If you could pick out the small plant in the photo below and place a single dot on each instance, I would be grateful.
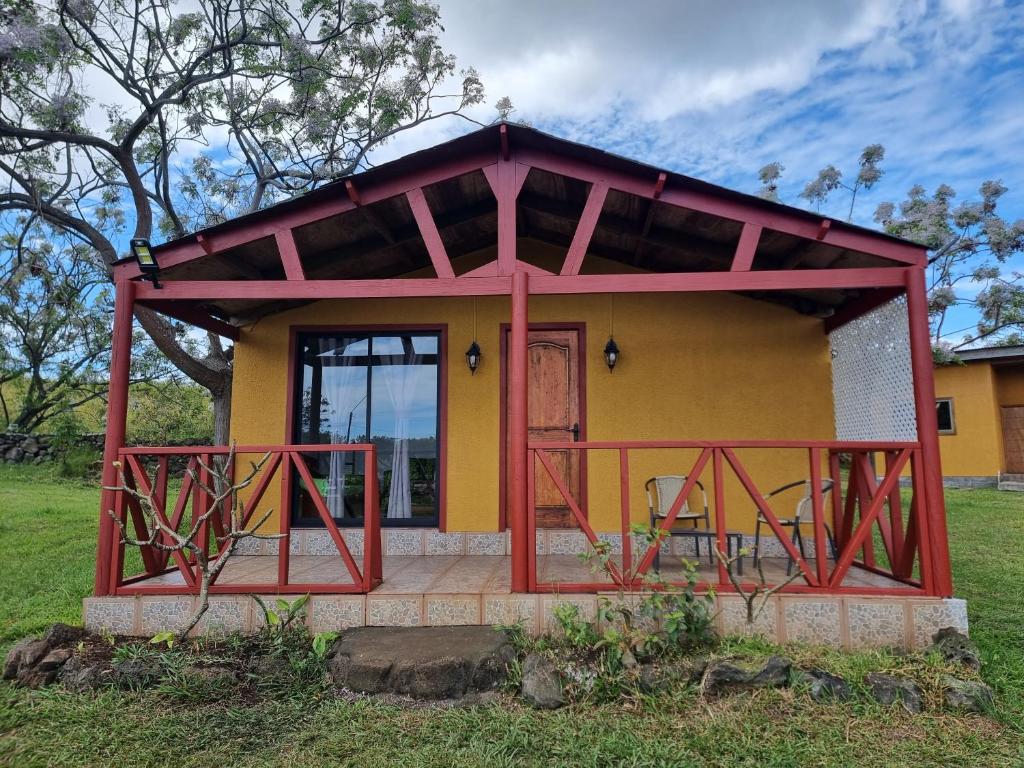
(278, 619)
(163, 638)
(577, 631)
(686, 617)
(755, 598)
(322, 641)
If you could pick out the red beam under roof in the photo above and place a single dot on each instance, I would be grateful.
(679, 282)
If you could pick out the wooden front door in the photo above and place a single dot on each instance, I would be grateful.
(1013, 438)
(554, 415)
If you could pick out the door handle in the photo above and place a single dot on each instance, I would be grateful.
(575, 432)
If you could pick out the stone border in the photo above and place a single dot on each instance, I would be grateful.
(431, 541)
(849, 622)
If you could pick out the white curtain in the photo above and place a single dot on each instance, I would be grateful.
(401, 382)
(343, 395)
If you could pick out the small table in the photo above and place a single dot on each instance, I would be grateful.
(733, 542)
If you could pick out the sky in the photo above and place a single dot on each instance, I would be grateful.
(716, 90)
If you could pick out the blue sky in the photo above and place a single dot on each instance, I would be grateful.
(717, 90)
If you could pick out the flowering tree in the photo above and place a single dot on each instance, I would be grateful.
(120, 119)
(970, 247)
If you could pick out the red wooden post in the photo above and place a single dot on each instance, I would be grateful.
(517, 363)
(721, 538)
(928, 430)
(285, 523)
(818, 515)
(117, 417)
(627, 541)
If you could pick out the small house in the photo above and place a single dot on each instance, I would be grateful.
(472, 365)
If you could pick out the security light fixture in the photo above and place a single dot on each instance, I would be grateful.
(146, 259)
(611, 353)
(473, 355)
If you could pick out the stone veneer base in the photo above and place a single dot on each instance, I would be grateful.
(841, 622)
(431, 541)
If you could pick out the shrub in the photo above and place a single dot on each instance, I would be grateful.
(81, 463)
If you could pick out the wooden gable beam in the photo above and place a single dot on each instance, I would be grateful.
(585, 228)
(428, 231)
(746, 248)
(289, 255)
(506, 178)
(193, 316)
(789, 222)
(293, 215)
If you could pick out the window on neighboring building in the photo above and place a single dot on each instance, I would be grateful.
(379, 387)
(944, 412)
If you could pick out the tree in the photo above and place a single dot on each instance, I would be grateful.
(102, 105)
(225, 514)
(969, 246)
(55, 325)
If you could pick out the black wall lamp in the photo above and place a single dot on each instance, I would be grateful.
(473, 355)
(611, 353)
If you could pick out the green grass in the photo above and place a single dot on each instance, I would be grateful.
(47, 543)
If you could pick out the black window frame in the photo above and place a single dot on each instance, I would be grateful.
(301, 338)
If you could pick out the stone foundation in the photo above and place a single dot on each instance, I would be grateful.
(431, 541)
(840, 622)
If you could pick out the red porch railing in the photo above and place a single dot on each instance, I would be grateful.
(861, 508)
(193, 498)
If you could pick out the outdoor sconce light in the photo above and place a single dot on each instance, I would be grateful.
(145, 259)
(473, 355)
(611, 353)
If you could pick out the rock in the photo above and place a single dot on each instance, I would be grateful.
(656, 677)
(22, 660)
(15, 656)
(135, 674)
(14, 455)
(78, 675)
(422, 662)
(54, 660)
(366, 674)
(823, 685)
(722, 676)
(889, 690)
(33, 677)
(542, 685)
(63, 635)
(966, 694)
(954, 646)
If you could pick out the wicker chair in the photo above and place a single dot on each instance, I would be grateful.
(801, 513)
(662, 491)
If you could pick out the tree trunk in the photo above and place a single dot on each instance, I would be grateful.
(222, 413)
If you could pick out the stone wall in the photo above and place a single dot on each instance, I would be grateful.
(16, 448)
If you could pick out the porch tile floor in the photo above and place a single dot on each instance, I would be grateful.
(473, 574)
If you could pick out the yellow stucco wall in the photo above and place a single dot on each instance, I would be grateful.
(1010, 384)
(976, 448)
(693, 366)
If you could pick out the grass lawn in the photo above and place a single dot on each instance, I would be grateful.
(47, 541)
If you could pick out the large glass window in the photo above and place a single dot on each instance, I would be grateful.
(378, 387)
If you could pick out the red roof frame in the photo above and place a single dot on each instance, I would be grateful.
(506, 153)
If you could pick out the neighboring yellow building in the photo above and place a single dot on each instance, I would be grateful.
(980, 406)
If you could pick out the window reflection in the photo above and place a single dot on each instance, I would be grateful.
(381, 388)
